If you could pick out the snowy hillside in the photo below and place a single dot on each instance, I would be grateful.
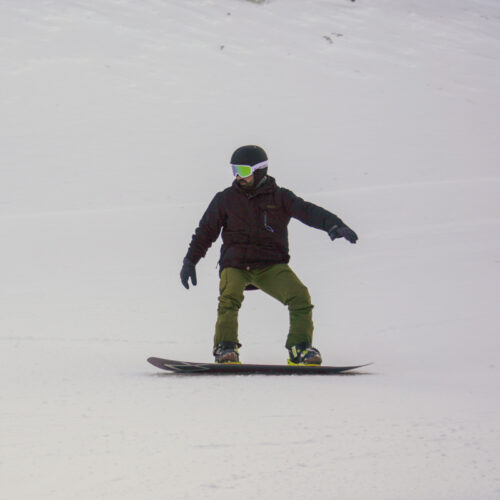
(118, 119)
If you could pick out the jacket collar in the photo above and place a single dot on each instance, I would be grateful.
(266, 185)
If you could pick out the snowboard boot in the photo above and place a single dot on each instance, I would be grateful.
(227, 352)
(304, 354)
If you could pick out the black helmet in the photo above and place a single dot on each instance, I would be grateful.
(248, 155)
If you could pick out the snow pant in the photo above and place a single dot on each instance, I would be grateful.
(278, 281)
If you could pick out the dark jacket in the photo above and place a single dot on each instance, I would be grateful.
(254, 225)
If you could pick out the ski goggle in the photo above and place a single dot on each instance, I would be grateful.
(247, 170)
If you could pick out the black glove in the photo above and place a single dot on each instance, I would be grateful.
(188, 271)
(343, 232)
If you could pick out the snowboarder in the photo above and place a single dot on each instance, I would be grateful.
(253, 214)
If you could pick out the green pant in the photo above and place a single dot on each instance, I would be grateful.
(280, 282)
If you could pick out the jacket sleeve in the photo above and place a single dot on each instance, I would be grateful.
(207, 232)
(309, 213)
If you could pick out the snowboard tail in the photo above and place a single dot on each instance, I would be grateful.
(233, 368)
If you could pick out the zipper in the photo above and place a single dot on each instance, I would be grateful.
(266, 225)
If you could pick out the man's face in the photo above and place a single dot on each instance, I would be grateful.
(245, 182)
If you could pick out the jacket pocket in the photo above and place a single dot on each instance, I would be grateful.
(273, 218)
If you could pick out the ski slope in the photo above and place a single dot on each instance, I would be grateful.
(118, 119)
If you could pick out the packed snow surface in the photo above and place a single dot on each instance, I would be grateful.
(118, 119)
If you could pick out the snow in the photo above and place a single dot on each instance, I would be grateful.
(118, 119)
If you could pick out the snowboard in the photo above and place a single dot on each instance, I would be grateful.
(233, 368)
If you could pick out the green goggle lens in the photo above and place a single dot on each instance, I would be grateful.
(242, 170)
